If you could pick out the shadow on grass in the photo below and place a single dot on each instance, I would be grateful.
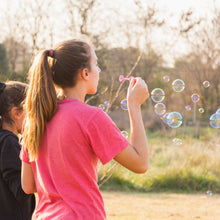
(177, 183)
(187, 183)
(118, 184)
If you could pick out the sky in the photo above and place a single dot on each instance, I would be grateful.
(169, 9)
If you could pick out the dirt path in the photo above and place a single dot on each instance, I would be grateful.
(155, 206)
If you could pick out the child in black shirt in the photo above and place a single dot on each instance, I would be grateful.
(14, 203)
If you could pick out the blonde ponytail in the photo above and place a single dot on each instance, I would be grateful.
(40, 103)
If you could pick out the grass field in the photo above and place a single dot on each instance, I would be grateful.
(158, 206)
(193, 166)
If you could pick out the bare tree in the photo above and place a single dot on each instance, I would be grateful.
(36, 23)
(147, 19)
(15, 41)
(79, 13)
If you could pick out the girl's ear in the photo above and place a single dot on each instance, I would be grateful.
(84, 74)
(16, 113)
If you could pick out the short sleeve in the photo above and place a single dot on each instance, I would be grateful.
(24, 154)
(105, 138)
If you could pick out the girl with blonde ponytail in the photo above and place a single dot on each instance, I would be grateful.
(63, 140)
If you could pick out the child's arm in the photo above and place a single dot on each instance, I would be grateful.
(11, 168)
(135, 156)
(27, 178)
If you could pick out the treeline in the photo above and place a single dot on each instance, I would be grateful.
(31, 28)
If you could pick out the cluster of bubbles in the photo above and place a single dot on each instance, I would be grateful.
(172, 119)
(104, 106)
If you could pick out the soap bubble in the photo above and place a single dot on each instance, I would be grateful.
(165, 117)
(124, 105)
(157, 95)
(177, 141)
(166, 78)
(201, 110)
(174, 119)
(102, 107)
(195, 97)
(178, 85)
(209, 193)
(188, 108)
(218, 111)
(106, 103)
(206, 84)
(125, 134)
(160, 108)
(215, 120)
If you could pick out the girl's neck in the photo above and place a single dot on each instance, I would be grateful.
(9, 127)
(75, 93)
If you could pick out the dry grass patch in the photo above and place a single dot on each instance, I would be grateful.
(155, 206)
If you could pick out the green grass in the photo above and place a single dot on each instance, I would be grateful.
(193, 166)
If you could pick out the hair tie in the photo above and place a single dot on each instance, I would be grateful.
(51, 52)
(2, 86)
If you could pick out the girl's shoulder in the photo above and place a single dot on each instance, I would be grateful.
(5, 134)
(74, 105)
(9, 142)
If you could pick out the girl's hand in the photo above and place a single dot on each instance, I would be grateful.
(137, 92)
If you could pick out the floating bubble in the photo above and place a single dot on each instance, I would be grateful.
(106, 103)
(206, 84)
(209, 193)
(165, 117)
(160, 108)
(157, 95)
(215, 120)
(125, 134)
(177, 141)
(218, 111)
(166, 78)
(201, 110)
(195, 97)
(102, 107)
(174, 119)
(188, 108)
(124, 105)
(178, 85)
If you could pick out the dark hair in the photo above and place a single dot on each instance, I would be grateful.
(12, 94)
(59, 66)
(69, 58)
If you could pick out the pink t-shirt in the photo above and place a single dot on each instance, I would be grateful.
(66, 170)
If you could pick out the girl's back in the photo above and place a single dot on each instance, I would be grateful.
(66, 169)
